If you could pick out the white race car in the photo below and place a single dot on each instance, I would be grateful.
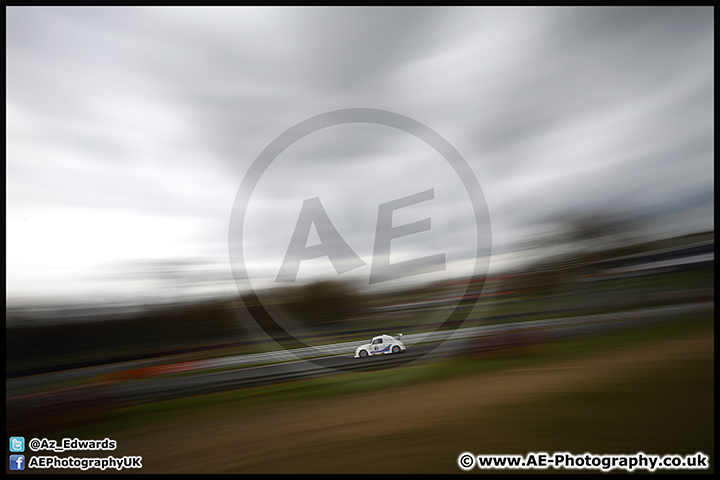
(380, 345)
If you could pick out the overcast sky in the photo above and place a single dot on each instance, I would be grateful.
(130, 130)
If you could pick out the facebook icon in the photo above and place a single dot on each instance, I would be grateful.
(17, 462)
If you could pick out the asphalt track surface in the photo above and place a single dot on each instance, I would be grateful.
(173, 387)
(25, 408)
(340, 356)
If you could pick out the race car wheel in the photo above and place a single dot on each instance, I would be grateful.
(363, 354)
(396, 349)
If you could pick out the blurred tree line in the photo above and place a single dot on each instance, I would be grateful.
(69, 342)
(155, 331)
(61, 341)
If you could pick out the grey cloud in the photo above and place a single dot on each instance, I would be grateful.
(351, 48)
(557, 110)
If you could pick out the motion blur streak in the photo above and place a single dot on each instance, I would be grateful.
(590, 131)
